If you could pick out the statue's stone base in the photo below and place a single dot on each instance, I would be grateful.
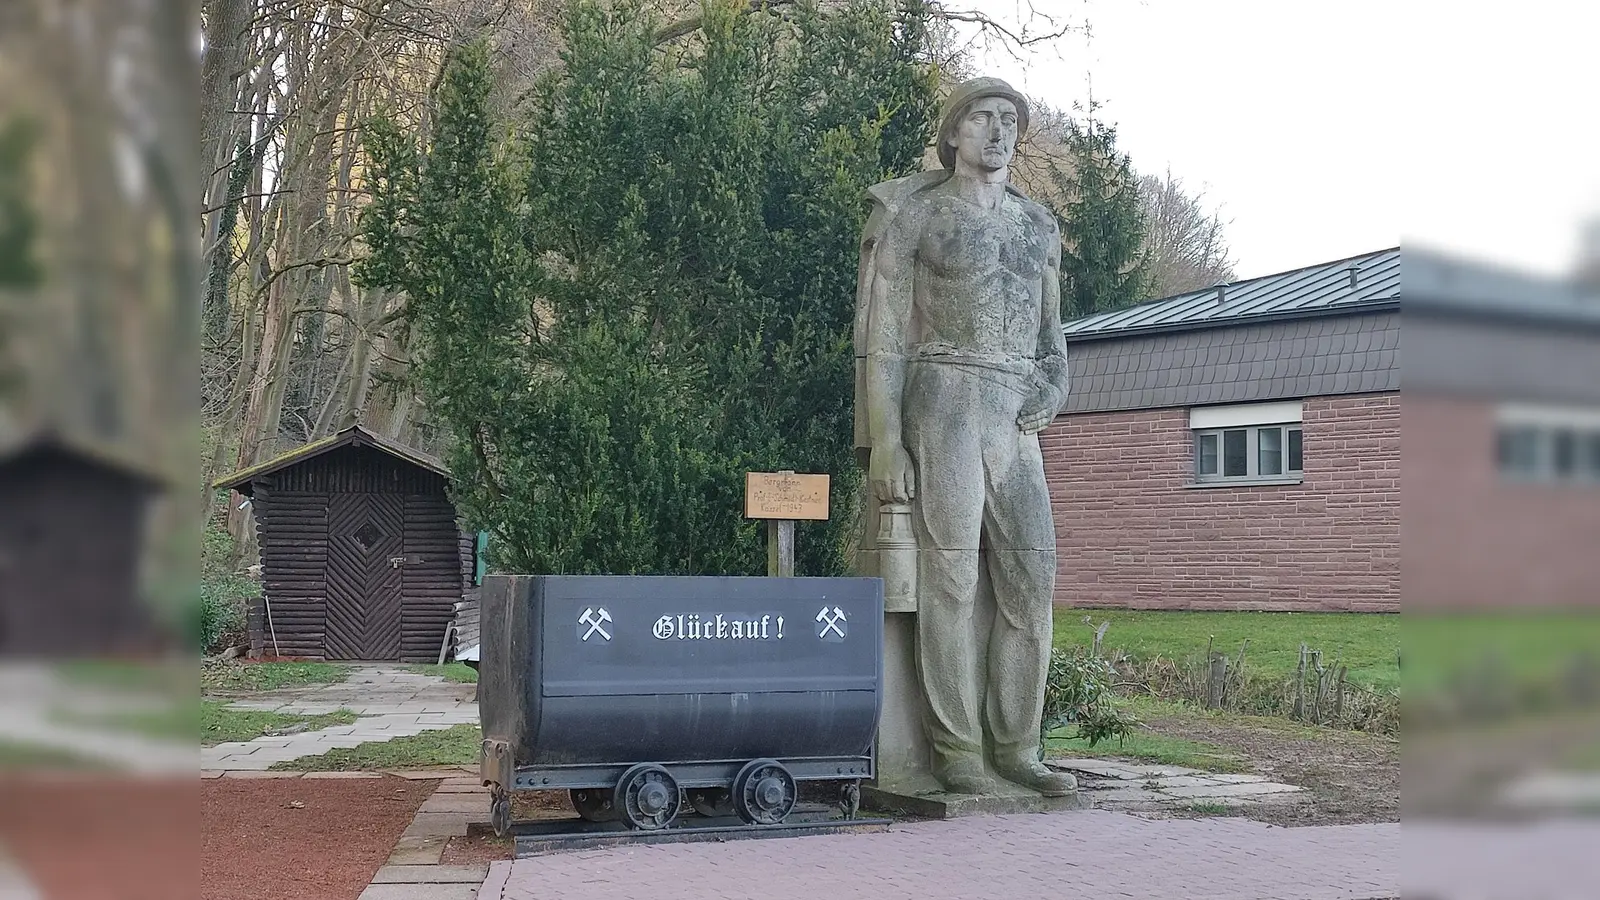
(902, 745)
(927, 799)
(905, 783)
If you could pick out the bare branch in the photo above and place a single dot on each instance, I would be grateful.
(693, 23)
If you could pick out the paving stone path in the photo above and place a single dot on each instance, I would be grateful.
(391, 701)
(1132, 787)
(1089, 854)
(1550, 857)
(40, 709)
(413, 870)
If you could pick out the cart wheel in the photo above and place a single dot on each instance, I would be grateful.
(713, 803)
(594, 804)
(850, 799)
(500, 814)
(648, 797)
(764, 792)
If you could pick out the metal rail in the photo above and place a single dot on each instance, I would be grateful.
(538, 837)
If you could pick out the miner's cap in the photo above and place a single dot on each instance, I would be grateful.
(962, 96)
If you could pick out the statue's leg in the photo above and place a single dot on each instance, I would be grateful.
(947, 517)
(1022, 568)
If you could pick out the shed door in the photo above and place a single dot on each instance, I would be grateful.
(365, 545)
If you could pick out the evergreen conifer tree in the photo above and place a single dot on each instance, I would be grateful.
(643, 285)
(1103, 264)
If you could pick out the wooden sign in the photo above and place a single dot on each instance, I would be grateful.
(785, 495)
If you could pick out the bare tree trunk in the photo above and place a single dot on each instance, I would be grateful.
(252, 430)
(228, 39)
(276, 382)
(332, 409)
(355, 403)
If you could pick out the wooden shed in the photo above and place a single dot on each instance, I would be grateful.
(361, 554)
(72, 534)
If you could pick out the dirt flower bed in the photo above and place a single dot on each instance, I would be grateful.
(1349, 777)
(101, 837)
(300, 838)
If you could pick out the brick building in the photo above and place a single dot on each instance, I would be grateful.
(1237, 447)
(1502, 437)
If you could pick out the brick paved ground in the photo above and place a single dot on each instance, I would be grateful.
(392, 702)
(1551, 859)
(1092, 854)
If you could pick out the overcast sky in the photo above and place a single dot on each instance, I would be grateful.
(1328, 129)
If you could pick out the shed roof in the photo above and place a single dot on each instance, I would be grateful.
(1319, 290)
(20, 447)
(354, 436)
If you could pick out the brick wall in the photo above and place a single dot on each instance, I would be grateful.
(1130, 534)
(1473, 539)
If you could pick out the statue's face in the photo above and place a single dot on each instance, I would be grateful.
(986, 137)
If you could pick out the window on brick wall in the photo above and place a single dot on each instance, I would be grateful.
(1553, 446)
(1552, 454)
(1259, 451)
(1247, 442)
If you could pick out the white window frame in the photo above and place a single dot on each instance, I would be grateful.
(1284, 417)
(1253, 471)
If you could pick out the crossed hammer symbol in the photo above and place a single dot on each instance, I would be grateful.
(831, 619)
(595, 623)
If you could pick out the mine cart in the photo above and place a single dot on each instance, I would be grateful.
(645, 695)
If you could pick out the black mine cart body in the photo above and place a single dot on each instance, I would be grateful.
(643, 696)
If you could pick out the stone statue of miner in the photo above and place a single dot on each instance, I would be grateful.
(963, 364)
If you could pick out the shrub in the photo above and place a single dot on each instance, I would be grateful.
(219, 614)
(220, 621)
(1079, 690)
(1249, 692)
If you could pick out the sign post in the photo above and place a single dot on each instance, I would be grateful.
(782, 498)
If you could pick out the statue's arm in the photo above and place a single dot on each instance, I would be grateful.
(1052, 352)
(1050, 357)
(893, 272)
(890, 470)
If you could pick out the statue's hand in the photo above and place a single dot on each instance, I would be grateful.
(1040, 410)
(893, 479)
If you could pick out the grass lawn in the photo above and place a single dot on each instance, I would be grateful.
(1585, 758)
(219, 725)
(1368, 643)
(1147, 747)
(119, 675)
(28, 756)
(177, 722)
(457, 746)
(1531, 645)
(451, 671)
(248, 677)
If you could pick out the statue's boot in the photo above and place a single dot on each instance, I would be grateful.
(965, 775)
(1035, 775)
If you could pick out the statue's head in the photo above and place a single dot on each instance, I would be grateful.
(983, 119)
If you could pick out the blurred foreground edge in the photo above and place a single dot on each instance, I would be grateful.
(1500, 572)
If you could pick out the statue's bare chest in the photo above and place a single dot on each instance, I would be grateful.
(962, 241)
(980, 276)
